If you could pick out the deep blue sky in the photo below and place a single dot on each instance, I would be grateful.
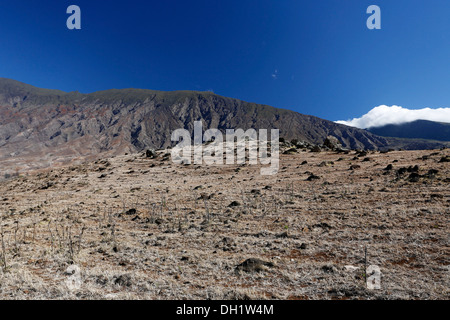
(328, 63)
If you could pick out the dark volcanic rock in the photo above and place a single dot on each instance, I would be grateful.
(131, 212)
(316, 149)
(123, 280)
(332, 143)
(254, 265)
(234, 204)
(414, 177)
(150, 154)
(313, 177)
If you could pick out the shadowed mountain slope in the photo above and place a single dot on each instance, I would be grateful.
(419, 129)
(46, 126)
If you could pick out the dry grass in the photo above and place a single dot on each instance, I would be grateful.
(193, 225)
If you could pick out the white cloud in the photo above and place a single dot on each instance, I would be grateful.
(384, 115)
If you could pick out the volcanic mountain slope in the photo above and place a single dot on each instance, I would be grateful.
(56, 126)
(419, 129)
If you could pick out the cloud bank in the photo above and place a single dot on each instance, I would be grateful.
(384, 115)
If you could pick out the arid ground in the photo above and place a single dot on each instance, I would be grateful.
(144, 228)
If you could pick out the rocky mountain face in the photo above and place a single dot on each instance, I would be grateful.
(41, 127)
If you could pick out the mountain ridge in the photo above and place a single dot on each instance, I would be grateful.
(57, 126)
(418, 129)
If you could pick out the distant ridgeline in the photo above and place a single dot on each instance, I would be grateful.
(419, 129)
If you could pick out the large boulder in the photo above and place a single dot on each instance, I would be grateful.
(332, 143)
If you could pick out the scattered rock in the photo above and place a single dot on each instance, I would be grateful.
(228, 241)
(316, 149)
(322, 225)
(414, 177)
(313, 177)
(328, 269)
(350, 268)
(151, 154)
(123, 280)
(254, 265)
(227, 244)
(205, 196)
(234, 204)
(333, 143)
(131, 212)
(47, 185)
(361, 153)
(445, 159)
(290, 151)
(283, 235)
(326, 163)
